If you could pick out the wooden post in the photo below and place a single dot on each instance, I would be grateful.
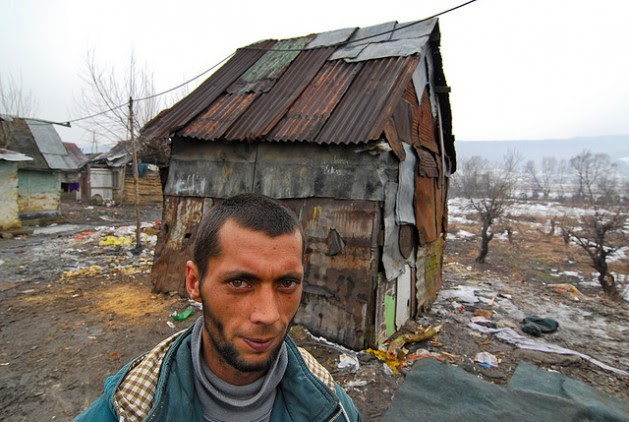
(136, 175)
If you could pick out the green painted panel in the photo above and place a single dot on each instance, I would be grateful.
(261, 76)
(389, 312)
(32, 182)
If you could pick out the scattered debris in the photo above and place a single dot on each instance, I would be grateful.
(509, 336)
(420, 334)
(537, 326)
(567, 290)
(348, 361)
(183, 315)
(486, 359)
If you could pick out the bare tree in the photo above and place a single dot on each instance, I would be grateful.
(488, 190)
(600, 233)
(591, 170)
(108, 90)
(542, 180)
(14, 100)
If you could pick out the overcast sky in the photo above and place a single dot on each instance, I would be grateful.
(518, 69)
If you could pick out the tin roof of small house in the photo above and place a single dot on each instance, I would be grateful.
(337, 87)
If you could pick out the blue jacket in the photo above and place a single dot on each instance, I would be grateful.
(301, 396)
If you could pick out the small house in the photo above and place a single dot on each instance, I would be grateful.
(9, 212)
(39, 179)
(352, 130)
(108, 178)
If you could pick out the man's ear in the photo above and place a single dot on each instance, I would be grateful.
(193, 281)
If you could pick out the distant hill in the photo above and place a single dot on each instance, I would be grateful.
(617, 147)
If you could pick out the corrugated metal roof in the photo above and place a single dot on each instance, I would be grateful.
(76, 154)
(39, 141)
(338, 87)
(168, 121)
(50, 145)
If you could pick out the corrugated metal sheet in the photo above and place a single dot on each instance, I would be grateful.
(331, 38)
(262, 75)
(213, 123)
(17, 136)
(297, 97)
(168, 121)
(306, 117)
(258, 120)
(50, 145)
(362, 113)
(361, 38)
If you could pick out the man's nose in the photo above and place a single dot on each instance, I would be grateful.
(265, 306)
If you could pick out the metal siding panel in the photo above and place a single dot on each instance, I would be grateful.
(306, 170)
(198, 100)
(429, 273)
(425, 209)
(338, 288)
(404, 206)
(392, 259)
(403, 298)
(216, 169)
(269, 108)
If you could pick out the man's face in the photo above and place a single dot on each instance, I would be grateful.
(250, 294)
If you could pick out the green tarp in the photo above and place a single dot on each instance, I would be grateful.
(435, 391)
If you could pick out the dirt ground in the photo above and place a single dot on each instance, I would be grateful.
(73, 311)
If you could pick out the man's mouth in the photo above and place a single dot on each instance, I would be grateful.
(259, 344)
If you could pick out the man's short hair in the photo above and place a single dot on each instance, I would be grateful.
(250, 210)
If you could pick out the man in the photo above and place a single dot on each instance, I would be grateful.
(236, 363)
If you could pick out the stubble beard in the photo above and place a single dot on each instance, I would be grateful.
(227, 350)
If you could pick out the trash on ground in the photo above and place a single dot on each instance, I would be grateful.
(510, 336)
(115, 241)
(90, 271)
(184, 315)
(537, 326)
(170, 324)
(84, 235)
(420, 335)
(567, 290)
(486, 359)
(347, 361)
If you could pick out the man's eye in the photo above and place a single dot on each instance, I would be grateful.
(239, 284)
(287, 284)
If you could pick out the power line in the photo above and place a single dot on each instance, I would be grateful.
(341, 43)
(111, 109)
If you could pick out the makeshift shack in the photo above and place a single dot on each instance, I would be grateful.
(352, 130)
(39, 179)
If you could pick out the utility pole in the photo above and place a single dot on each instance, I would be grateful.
(138, 244)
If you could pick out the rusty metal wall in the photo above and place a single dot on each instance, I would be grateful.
(221, 169)
(339, 288)
(339, 292)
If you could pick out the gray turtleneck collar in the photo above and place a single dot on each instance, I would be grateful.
(222, 401)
